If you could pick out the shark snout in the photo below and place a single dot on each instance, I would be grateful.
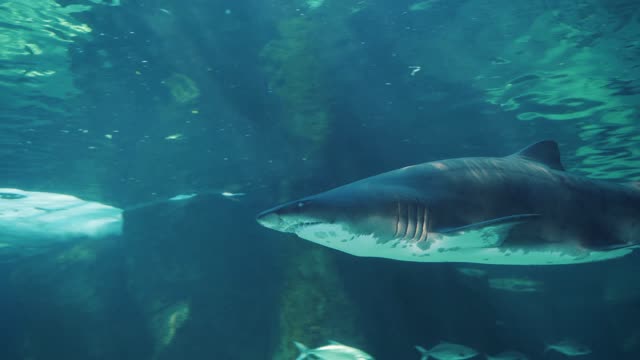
(270, 219)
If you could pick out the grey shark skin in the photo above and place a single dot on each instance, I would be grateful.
(522, 209)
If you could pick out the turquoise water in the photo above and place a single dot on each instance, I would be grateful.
(134, 102)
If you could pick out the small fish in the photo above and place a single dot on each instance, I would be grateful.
(333, 351)
(515, 284)
(569, 348)
(414, 70)
(183, 197)
(471, 272)
(508, 355)
(499, 61)
(231, 194)
(447, 351)
(174, 137)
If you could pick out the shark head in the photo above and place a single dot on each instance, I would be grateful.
(336, 217)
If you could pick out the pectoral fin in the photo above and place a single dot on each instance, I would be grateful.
(484, 234)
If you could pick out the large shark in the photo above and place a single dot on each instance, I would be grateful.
(33, 219)
(522, 209)
(32, 222)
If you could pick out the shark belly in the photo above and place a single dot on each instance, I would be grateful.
(439, 248)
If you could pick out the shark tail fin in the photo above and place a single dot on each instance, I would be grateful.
(302, 348)
(424, 352)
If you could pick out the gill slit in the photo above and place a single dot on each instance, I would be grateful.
(406, 222)
(414, 217)
(397, 232)
(409, 223)
(418, 232)
(425, 219)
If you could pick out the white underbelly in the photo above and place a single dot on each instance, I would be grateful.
(438, 251)
(497, 256)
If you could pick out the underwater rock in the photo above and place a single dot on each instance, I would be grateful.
(64, 275)
(314, 306)
(74, 293)
(166, 323)
(296, 77)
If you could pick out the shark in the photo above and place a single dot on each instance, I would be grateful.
(35, 219)
(33, 222)
(520, 209)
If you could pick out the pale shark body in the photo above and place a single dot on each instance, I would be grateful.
(522, 209)
(30, 219)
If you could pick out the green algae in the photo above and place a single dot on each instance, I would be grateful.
(314, 307)
(296, 77)
(166, 323)
(182, 88)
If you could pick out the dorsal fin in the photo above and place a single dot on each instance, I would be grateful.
(545, 152)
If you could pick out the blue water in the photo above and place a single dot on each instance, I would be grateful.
(131, 102)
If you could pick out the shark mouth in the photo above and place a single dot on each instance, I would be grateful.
(295, 228)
